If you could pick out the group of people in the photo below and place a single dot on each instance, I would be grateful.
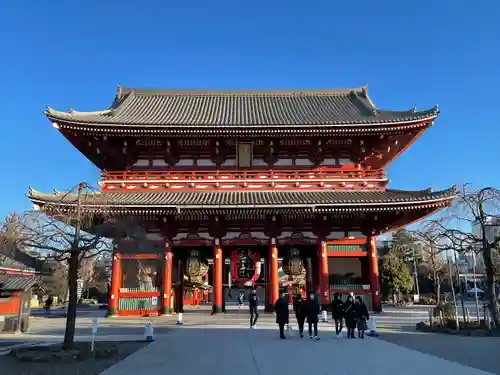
(353, 311)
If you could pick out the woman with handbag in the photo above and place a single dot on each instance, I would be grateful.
(361, 316)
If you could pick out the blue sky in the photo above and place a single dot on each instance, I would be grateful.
(73, 54)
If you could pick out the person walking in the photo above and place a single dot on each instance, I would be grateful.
(281, 310)
(299, 307)
(350, 316)
(361, 316)
(312, 311)
(241, 299)
(337, 307)
(48, 304)
(253, 303)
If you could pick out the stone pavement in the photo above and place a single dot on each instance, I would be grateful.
(478, 352)
(240, 351)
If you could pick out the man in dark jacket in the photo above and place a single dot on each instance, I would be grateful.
(253, 303)
(281, 310)
(337, 313)
(312, 311)
(299, 306)
(350, 316)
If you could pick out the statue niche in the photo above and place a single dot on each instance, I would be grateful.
(246, 266)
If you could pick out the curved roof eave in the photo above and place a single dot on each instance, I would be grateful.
(163, 109)
(391, 199)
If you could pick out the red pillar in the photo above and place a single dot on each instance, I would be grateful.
(217, 291)
(268, 305)
(273, 283)
(324, 282)
(115, 285)
(167, 280)
(373, 272)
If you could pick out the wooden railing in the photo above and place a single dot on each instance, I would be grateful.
(255, 175)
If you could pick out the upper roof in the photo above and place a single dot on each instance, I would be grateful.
(365, 200)
(234, 108)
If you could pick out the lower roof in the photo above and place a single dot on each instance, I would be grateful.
(220, 199)
(19, 282)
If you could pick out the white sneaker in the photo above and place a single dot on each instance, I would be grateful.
(338, 335)
(316, 338)
(310, 337)
(253, 327)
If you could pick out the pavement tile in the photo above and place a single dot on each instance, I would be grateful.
(260, 352)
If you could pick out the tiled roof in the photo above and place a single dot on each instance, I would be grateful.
(19, 282)
(250, 199)
(15, 258)
(219, 108)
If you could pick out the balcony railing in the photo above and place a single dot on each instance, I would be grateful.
(250, 179)
(237, 176)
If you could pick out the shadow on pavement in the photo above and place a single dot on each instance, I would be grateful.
(478, 352)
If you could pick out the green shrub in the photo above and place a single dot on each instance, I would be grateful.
(446, 309)
(427, 301)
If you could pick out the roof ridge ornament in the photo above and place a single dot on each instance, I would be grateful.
(32, 191)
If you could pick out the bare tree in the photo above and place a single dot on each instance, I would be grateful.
(433, 266)
(69, 229)
(87, 271)
(56, 282)
(466, 228)
(8, 230)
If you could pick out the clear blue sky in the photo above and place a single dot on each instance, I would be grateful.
(410, 53)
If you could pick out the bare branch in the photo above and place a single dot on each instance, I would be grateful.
(464, 230)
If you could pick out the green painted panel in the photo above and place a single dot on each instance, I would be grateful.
(135, 290)
(346, 286)
(138, 303)
(340, 248)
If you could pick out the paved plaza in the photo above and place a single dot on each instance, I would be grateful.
(240, 351)
(224, 344)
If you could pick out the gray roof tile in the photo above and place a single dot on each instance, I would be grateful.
(219, 108)
(219, 199)
(19, 282)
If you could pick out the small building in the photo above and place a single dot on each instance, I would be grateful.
(15, 300)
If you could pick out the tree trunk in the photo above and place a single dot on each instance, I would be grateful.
(490, 285)
(69, 333)
(438, 289)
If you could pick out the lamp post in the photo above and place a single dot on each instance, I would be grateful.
(453, 291)
(462, 302)
(415, 273)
